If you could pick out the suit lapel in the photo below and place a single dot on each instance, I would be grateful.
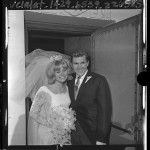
(71, 89)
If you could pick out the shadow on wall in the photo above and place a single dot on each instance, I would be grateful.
(18, 137)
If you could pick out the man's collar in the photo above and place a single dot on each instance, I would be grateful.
(83, 76)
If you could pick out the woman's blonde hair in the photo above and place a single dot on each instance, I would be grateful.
(55, 66)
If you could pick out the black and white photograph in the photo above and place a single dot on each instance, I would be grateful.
(72, 77)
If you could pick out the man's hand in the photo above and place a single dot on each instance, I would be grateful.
(100, 143)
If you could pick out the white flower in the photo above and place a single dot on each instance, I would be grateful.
(88, 78)
(62, 120)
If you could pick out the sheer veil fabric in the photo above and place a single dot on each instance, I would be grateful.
(36, 63)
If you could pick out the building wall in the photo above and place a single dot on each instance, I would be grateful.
(16, 78)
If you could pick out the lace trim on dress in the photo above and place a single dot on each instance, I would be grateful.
(59, 119)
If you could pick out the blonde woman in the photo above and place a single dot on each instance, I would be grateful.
(51, 120)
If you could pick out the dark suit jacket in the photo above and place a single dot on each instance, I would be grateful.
(93, 106)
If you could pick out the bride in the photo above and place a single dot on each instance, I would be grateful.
(51, 120)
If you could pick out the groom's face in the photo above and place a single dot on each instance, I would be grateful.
(80, 65)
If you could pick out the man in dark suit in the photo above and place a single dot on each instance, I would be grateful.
(91, 99)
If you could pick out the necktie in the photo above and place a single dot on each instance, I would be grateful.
(76, 87)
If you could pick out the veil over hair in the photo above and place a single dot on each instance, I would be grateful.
(36, 63)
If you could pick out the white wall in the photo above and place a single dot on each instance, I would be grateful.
(16, 78)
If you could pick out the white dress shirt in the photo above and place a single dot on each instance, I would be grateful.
(81, 79)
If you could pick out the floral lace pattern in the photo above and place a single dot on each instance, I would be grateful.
(62, 120)
(59, 120)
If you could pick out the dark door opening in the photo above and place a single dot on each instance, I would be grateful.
(45, 41)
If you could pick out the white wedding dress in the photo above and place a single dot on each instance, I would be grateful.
(50, 118)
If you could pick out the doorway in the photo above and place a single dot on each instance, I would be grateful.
(106, 53)
(44, 40)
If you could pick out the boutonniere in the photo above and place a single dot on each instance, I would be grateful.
(88, 78)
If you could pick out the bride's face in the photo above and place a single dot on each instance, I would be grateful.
(61, 74)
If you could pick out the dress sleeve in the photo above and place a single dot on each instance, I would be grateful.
(40, 107)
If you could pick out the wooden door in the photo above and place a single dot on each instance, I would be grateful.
(116, 54)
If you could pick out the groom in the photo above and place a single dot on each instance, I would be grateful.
(91, 99)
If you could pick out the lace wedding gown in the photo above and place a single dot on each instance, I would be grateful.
(50, 119)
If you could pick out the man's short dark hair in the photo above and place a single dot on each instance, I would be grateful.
(80, 54)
